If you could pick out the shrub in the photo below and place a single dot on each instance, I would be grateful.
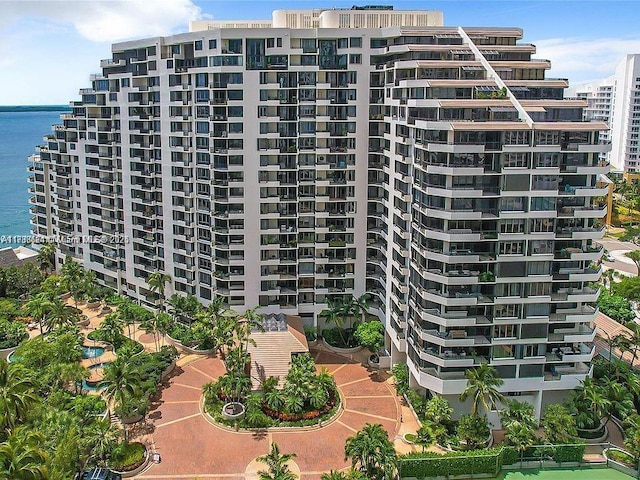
(616, 307)
(128, 456)
(400, 372)
(11, 333)
(568, 453)
(370, 335)
(429, 464)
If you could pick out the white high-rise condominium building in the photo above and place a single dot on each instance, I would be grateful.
(432, 167)
(616, 101)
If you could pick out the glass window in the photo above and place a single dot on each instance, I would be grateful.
(355, 42)
(213, 43)
(198, 45)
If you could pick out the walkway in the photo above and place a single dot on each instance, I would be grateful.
(191, 447)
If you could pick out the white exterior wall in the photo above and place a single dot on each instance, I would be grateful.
(418, 250)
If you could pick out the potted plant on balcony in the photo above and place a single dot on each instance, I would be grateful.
(487, 276)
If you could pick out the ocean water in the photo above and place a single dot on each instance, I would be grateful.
(20, 131)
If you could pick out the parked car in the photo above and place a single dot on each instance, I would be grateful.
(98, 474)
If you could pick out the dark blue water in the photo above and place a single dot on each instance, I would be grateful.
(20, 132)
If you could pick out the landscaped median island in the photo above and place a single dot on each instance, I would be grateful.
(305, 397)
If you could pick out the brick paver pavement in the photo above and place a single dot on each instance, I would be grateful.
(193, 448)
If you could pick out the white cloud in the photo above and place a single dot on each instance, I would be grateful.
(582, 60)
(107, 20)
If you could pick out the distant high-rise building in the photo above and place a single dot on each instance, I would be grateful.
(434, 168)
(616, 101)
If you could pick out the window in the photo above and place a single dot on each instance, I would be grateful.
(513, 225)
(124, 82)
(543, 204)
(355, 58)
(355, 42)
(343, 43)
(202, 127)
(511, 248)
(505, 331)
(309, 45)
(538, 289)
(271, 42)
(279, 42)
(198, 45)
(213, 43)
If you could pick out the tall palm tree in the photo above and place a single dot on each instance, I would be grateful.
(277, 463)
(157, 284)
(47, 257)
(99, 441)
(61, 314)
(482, 385)
(121, 383)
(21, 457)
(17, 396)
(72, 275)
(39, 307)
(607, 278)
(371, 451)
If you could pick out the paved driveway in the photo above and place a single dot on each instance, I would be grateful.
(192, 448)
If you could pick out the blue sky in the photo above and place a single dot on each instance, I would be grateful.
(48, 48)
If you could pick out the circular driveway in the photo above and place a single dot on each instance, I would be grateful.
(191, 447)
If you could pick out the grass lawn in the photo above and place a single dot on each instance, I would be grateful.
(566, 474)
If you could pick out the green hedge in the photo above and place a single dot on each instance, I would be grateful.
(490, 461)
(429, 464)
(568, 453)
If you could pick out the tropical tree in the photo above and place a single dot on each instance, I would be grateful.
(620, 398)
(558, 425)
(632, 436)
(371, 452)
(590, 404)
(521, 412)
(21, 457)
(520, 435)
(438, 410)
(482, 385)
(39, 307)
(72, 276)
(121, 383)
(371, 336)
(17, 395)
(277, 463)
(473, 431)
(635, 256)
(157, 284)
(47, 257)
(61, 314)
(99, 440)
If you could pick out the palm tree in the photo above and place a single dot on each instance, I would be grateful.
(72, 274)
(520, 435)
(482, 385)
(39, 307)
(17, 396)
(47, 257)
(558, 424)
(99, 441)
(635, 256)
(120, 383)
(157, 284)
(277, 463)
(590, 402)
(61, 314)
(372, 452)
(21, 457)
(335, 314)
(521, 412)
